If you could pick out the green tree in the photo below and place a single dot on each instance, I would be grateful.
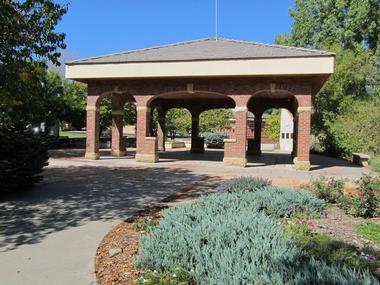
(349, 23)
(350, 28)
(348, 83)
(273, 125)
(177, 122)
(27, 39)
(213, 120)
(356, 130)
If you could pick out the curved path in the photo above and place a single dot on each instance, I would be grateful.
(49, 235)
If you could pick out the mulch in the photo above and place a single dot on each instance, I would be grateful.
(341, 226)
(114, 261)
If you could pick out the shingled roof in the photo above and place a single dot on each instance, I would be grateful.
(204, 49)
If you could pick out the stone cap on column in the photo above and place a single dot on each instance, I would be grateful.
(241, 109)
(303, 109)
(92, 108)
(143, 108)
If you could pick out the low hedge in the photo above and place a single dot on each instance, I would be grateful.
(22, 157)
(214, 140)
(227, 239)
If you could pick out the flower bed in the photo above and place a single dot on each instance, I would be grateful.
(249, 232)
(235, 238)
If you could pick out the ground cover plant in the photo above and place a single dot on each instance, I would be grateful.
(243, 184)
(236, 238)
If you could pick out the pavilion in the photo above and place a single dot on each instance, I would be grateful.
(201, 75)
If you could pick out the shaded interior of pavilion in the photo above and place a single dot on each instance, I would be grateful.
(198, 102)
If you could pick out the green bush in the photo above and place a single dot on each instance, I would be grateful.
(281, 202)
(330, 190)
(367, 203)
(356, 130)
(214, 140)
(22, 158)
(243, 184)
(225, 239)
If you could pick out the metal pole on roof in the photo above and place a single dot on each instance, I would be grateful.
(216, 20)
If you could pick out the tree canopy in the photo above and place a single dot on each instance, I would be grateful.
(349, 23)
(28, 39)
(351, 29)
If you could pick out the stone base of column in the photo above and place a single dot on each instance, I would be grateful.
(118, 153)
(151, 158)
(235, 161)
(301, 165)
(92, 155)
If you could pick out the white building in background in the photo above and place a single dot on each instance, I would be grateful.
(286, 133)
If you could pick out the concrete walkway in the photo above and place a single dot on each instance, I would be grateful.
(49, 235)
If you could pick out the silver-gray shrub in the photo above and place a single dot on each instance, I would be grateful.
(225, 239)
(278, 202)
(244, 183)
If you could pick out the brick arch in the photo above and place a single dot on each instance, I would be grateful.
(184, 92)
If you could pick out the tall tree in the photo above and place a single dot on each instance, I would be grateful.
(348, 23)
(350, 28)
(27, 39)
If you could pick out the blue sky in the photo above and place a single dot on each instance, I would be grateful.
(95, 27)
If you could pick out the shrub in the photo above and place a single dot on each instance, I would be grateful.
(225, 239)
(22, 158)
(214, 140)
(367, 203)
(355, 130)
(243, 184)
(281, 202)
(330, 190)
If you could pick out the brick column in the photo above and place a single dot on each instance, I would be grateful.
(146, 146)
(92, 128)
(235, 152)
(197, 143)
(302, 151)
(161, 129)
(117, 143)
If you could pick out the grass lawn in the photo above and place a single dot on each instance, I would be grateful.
(375, 164)
(369, 231)
(72, 134)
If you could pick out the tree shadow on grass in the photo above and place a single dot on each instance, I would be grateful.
(80, 195)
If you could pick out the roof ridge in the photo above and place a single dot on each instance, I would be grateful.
(140, 50)
(276, 45)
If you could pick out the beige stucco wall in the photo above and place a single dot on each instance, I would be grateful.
(251, 67)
